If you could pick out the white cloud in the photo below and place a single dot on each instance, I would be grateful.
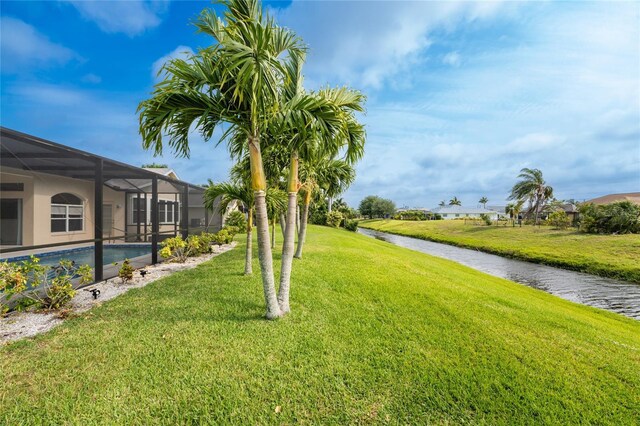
(131, 17)
(92, 78)
(452, 58)
(182, 52)
(367, 43)
(22, 47)
(534, 142)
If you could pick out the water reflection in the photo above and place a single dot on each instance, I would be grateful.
(614, 295)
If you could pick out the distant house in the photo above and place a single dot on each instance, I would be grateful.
(460, 212)
(634, 197)
(571, 210)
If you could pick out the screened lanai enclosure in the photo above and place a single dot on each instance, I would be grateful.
(59, 202)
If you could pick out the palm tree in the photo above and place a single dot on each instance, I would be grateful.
(442, 203)
(235, 81)
(484, 201)
(317, 173)
(332, 129)
(532, 188)
(276, 203)
(229, 192)
(455, 202)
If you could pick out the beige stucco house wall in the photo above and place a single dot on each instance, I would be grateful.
(38, 188)
(36, 206)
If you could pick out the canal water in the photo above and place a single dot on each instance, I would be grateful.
(613, 295)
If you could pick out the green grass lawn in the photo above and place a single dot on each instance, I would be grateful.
(378, 334)
(616, 256)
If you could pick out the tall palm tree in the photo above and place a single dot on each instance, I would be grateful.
(484, 201)
(333, 128)
(455, 202)
(235, 81)
(532, 188)
(442, 203)
(229, 192)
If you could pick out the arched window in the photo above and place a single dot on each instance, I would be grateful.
(67, 213)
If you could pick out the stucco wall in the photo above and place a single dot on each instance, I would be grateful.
(16, 176)
(36, 206)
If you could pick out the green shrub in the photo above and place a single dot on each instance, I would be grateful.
(559, 220)
(351, 225)
(334, 219)
(622, 217)
(178, 250)
(486, 218)
(225, 235)
(126, 271)
(237, 219)
(174, 249)
(232, 231)
(44, 287)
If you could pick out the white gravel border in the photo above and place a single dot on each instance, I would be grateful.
(20, 325)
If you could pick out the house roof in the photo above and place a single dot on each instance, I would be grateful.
(634, 197)
(413, 209)
(499, 209)
(569, 208)
(164, 171)
(461, 210)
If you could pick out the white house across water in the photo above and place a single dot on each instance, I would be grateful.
(461, 212)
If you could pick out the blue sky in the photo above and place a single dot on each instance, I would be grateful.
(461, 95)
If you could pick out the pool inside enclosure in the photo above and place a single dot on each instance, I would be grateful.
(112, 253)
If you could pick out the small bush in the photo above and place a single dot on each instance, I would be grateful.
(334, 219)
(126, 271)
(486, 218)
(237, 219)
(174, 249)
(559, 220)
(43, 287)
(351, 225)
(232, 230)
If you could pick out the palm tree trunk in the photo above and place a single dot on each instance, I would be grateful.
(303, 225)
(259, 185)
(330, 204)
(287, 253)
(297, 219)
(248, 267)
(283, 223)
(289, 235)
(273, 233)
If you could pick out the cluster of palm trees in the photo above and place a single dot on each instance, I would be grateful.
(531, 189)
(286, 140)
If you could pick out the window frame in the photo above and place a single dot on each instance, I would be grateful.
(67, 218)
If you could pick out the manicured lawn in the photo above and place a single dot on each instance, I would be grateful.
(616, 256)
(378, 334)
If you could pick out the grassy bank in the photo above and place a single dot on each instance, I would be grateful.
(615, 256)
(378, 334)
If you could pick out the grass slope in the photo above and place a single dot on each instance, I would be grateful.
(378, 334)
(615, 256)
